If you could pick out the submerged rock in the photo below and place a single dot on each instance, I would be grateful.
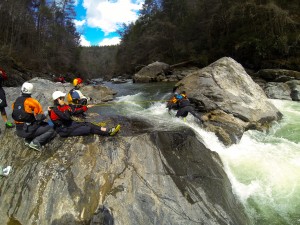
(161, 177)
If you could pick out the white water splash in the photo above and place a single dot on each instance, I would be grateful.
(264, 168)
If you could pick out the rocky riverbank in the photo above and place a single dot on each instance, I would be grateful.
(142, 175)
(158, 177)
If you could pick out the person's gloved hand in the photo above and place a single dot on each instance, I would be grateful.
(40, 117)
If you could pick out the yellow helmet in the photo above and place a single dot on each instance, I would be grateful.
(77, 81)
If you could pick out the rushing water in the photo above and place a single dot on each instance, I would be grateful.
(264, 168)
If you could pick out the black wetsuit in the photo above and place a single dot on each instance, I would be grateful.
(184, 108)
(66, 127)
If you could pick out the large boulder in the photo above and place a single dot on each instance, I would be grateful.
(154, 72)
(161, 177)
(225, 86)
(98, 93)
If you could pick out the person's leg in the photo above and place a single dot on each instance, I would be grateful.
(103, 130)
(43, 134)
(98, 129)
(79, 130)
(22, 131)
(182, 112)
(3, 115)
(192, 111)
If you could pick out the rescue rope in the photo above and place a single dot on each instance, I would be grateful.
(126, 102)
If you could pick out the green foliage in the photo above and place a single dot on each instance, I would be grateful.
(254, 32)
(39, 33)
(97, 61)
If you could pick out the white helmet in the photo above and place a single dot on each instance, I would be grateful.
(27, 88)
(58, 94)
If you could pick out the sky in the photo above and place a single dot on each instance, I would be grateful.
(98, 20)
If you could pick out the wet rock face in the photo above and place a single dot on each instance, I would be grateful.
(289, 90)
(162, 177)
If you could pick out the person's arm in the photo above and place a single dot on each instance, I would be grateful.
(63, 115)
(31, 105)
(75, 110)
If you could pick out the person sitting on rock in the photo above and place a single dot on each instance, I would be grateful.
(29, 118)
(75, 96)
(61, 116)
(3, 102)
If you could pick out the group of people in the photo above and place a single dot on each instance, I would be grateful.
(30, 120)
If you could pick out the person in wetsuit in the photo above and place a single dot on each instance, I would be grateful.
(29, 119)
(61, 116)
(182, 104)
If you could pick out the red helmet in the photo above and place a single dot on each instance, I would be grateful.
(77, 81)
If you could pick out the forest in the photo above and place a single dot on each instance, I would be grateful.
(40, 35)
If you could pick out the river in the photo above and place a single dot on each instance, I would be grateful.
(264, 168)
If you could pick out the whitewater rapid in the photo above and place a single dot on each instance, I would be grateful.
(264, 168)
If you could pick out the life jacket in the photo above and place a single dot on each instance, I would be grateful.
(184, 96)
(57, 121)
(173, 100)
(177, 98)
(19, 114)
(73, 96)
(184, 101)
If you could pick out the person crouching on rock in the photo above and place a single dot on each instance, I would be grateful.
(29, 118)
(181, 103)
(61, 116)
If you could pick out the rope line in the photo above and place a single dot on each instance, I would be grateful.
(129, 102)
